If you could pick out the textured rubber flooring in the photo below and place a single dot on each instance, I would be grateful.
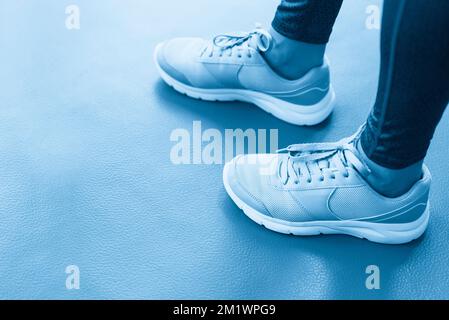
(86, 177)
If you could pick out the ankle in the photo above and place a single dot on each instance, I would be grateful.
(391, 182)
(292, 59)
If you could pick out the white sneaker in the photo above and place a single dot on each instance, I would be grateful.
(321, 188)
(232, 67)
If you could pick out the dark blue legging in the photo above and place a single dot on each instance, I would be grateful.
(413, 87)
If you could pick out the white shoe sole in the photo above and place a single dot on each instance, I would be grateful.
(286, 111)
(376, 232)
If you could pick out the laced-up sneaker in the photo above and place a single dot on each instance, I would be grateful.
(311, 189)
(232, 67)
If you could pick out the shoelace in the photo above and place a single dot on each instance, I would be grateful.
(258, 39)
(314, 159)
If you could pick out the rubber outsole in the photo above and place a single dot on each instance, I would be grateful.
(283, 110)
(375, 232)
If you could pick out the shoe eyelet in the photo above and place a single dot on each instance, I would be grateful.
(309, 180)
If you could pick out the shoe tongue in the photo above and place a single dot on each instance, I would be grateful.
(332, 163)
(324, 164)
(253, 42)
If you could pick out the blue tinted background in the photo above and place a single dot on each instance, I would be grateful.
(86, 179)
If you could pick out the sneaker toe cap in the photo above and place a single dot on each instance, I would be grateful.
(175, 56)
(245, 181)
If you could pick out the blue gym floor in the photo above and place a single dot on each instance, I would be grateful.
(86, 177)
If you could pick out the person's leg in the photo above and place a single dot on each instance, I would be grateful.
(301, 30)
(412, 94)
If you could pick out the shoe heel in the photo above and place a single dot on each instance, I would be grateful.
(395, 233)
(303, 115)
